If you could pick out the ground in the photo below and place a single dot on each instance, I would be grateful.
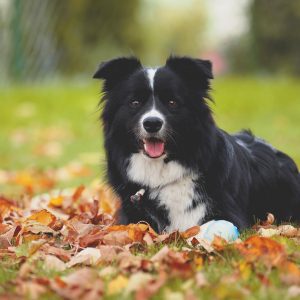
(56, 234)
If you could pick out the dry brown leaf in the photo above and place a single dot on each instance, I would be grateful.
(152, 287)
(36, 227)
(268, 232)
(137, 281)
(6, 238)
(202, 243)
(88, 256)
(190, 232)
(257, 248)
(219, 243)
(290, 273)
(201, 280)
(51, 262)
(30, 289)
(117, 238)
(110, 253)
(161, 254)
(82, 284)
(93, 238)
(7, 206)
(288, 230)
(62, 254)
(78, 193)
(293, 291)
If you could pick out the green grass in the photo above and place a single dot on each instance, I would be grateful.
(270, 107)
(31, 110)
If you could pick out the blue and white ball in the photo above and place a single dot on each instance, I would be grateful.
(221, 228)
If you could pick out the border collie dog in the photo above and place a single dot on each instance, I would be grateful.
(163, 146)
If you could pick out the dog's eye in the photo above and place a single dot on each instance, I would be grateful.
(172, 104)
(135, 103)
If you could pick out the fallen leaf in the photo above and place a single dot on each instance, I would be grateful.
(152, 287)
(44, 217)
(30, 290)
(161, 254)
(290, 273)
(7, 236)
(293, 291)
(28, 249)
(257, 248)
(60, 253)
(82, 284)
(78, 193)
(88, 256)
(190, 232)
(36, 227)
(56, 201)
(119, 238)
(219, 243)
(201, 280)
(288, 230)
(116, 285)
(137, 281)
(53, 263)
(268, 232)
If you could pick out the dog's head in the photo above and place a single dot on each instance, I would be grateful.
(157, 111)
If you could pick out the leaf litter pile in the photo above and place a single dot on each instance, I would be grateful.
(65, 244)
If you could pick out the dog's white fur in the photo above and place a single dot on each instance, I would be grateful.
(150, 74)
(172, 185)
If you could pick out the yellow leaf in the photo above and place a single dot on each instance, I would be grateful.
(56, 201)
(245, 270)
(117, 285)
(44, 217)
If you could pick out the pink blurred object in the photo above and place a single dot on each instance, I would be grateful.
(219, 64)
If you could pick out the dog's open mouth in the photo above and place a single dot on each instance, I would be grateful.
(154, 147)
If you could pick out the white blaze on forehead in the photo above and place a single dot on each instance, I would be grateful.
(150, 74)
(153, 112)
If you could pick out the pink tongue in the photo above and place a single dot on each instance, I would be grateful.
(154, 148)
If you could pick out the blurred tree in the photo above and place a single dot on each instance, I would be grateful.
(71, 36)
(275, 29)
(90, 30)
(172, 27)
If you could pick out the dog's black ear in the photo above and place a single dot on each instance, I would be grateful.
(194, 71)
(116, 70)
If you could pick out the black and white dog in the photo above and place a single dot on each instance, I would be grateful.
(161, 140)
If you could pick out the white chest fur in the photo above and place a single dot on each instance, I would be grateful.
(172, 185)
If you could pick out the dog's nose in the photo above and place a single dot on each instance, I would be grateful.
(152, 124)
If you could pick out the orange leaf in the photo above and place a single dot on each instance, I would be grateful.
(44, 217)
(117, 238)
(264, 249)
(290, 273)
(219, 243)
(78, 192)
(6, 206)
(190, 232)
(56, 201)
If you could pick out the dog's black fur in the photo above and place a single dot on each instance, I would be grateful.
(239, 177)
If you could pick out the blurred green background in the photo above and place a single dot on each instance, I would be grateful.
(49, 50)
